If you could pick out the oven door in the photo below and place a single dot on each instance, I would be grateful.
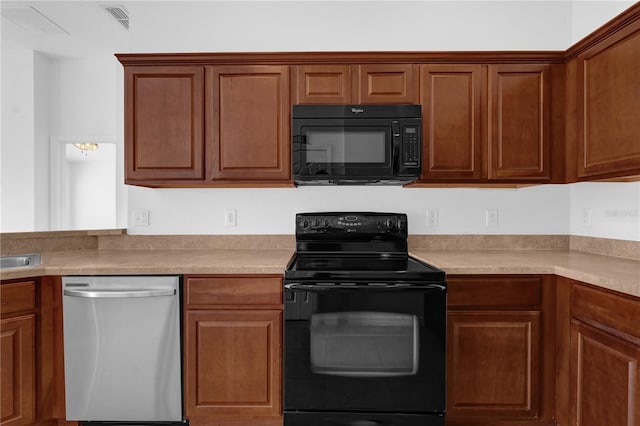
(364, 347)
(338, 149)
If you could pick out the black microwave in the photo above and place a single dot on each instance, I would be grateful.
(356, 144)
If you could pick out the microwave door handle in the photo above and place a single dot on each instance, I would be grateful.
(396, 145)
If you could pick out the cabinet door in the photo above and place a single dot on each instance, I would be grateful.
(233, 363)
(451, 124)
(519, 122)
(249, 115)
(609, 107)
(164, 118)
(386, 84)
(493, 363)
(604, 378)
(17, 364)
(323, 84)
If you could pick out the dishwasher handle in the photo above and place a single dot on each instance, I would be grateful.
(119, 294)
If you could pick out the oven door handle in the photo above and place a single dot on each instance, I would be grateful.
(385, 286)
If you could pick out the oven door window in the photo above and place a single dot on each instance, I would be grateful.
(364, 344)
(335, 150)
(364, 349)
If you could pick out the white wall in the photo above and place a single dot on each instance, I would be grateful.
(92, 189)
(87, 104)
(44, 98)
(361, 26)
(86, 98)
(589, 15)
(349, 25)
(607, 210)
(83, 96)
(533, 210)
(41, 92)
(17, 149)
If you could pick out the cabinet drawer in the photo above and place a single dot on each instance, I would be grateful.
(16, 297)
(487, 291)
(608, 309)
(230, 290)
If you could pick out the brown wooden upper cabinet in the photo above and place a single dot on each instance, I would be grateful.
(485, 123)
(451, 97)
(519, 122)
(164, 123)
(356, 84)
(609, 107)
(223, 119)
(207, 125)
(248, 115)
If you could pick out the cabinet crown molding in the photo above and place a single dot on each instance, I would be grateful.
(301, 58)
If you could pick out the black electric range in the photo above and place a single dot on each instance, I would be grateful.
(364, 325)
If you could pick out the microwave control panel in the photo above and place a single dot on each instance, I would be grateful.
(410, 145)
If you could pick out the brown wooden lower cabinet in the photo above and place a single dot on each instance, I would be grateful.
(500, 350)
(233, 350)
(605, 373)
(494, 363)
(18, 370)
(522, 350)
(18, 353)
(604, 358)
(31, 358)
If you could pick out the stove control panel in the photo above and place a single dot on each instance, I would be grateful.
(351, 223)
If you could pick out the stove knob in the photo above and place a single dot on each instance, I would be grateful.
(326, 223)
(315, 223)
(400, 224)
(388, 223)
(304, 223)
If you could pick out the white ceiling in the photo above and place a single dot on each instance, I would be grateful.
(85, 29)
(88, 29)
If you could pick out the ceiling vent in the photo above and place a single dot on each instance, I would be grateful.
(119, 13)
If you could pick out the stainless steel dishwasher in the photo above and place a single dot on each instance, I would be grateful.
(122, 353)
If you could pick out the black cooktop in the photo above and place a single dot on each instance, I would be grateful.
(365, 267)
(356, 246)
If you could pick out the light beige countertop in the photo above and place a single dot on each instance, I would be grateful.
(613, 273)
(138, 262)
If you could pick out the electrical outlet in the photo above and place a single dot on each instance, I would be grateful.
(586, 216)
(433, 218)
(491, 218)
(230, 217)
(141, 217)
